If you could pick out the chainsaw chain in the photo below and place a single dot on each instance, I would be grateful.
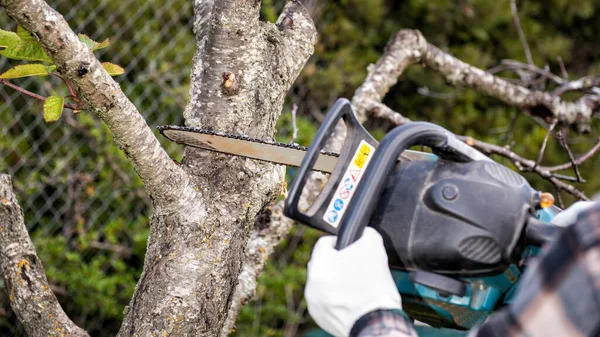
(238, 137)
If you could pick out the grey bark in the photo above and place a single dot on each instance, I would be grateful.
(205, 208)
(409, 47)
(23, 274)
(264, 59)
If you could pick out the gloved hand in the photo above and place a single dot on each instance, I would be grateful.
(344, 285)
(569, 215)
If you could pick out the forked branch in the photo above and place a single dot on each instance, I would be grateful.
(23, 275)
(410, 47)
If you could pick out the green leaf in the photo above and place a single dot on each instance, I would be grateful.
(113, 69)
(26, 70)
(23, 34)
(53, 108)
(93, 45)
(28, 50)
(8, 38)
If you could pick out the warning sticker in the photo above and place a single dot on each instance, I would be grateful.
(347, 187)
(361, 156)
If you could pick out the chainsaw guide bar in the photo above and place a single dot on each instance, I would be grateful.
(244, 146)
(254, 148)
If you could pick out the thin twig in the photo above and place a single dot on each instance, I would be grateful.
(34, 95)
(295, 133)
(565, 177)
(517, 23)
(525, 165)
(532, 68)
(511, 129)
(424, 91)
(23, 91)
(69, 86)
(578, 161)
(559, 197)
(569, 188)
(563, 70)
(587, 82)
(541, 154)
(563, 142)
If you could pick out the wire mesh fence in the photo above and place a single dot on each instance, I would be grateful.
(84, 206)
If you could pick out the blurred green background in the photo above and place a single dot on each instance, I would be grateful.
(87, 211)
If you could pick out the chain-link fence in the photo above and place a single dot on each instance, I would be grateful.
(84, 205)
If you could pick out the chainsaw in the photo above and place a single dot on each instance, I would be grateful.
(459, 229)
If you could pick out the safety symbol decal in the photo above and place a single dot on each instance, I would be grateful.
(347, 187)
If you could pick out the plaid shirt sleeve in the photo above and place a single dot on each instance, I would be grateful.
(559, 295)
(383, 323)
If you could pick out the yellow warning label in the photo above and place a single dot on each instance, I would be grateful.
(362, 155)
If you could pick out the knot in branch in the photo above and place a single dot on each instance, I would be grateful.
(410, 40)
(231, 83)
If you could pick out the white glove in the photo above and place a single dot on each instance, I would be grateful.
(569, 215)
(344, 285)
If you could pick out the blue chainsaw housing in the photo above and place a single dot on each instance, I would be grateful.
(483, 295)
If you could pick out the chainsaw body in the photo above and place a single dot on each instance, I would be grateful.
(458, 228)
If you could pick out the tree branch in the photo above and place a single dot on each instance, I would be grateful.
(525, 164)
(578, 161)
(381, 110)
(405, 48)
(583, 83)
(516, 65)
(267, 234)
(409, 47)
(100, 94)
(23, 274)
(298, 36)
(33, 95)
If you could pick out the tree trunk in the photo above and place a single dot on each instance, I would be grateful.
(204, 208)
(242, 71)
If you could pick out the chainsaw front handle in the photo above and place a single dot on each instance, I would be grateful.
(356, 135)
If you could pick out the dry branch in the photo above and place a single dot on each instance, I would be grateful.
(526, 165)
(583, 83)
(24, 278)
(410, 47)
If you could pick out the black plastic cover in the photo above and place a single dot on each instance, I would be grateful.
(452, 218)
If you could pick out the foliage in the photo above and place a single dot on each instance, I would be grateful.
(22, 46)
(76, 169)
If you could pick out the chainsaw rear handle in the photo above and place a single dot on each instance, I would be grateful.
(355, 134)
(375, 177)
